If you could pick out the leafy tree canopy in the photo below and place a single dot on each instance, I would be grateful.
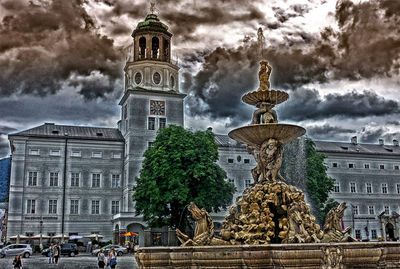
(179, 169)
(318, 182)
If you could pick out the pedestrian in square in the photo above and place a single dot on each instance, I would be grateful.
(101, 259)
(17, 263)
(57, 253)
(51, 253)
(112, 258)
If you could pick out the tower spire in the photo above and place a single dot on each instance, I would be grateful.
(153, 7)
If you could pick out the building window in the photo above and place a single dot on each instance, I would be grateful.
(247, 183)
(95, 207)
(246, 160)
(30, 206)
(369, 188)
(351, 165)
(336, 187)
(150, 144)
(231, 180)
(52, 206)
(387, 209)
(75, 179)
(358, 234)
(334, 165)
(115, 181)
(95, 180)
(55, 152)
(76, 154)
(151, 123)
(373, 234)
(32, 178)
(230, 160)
(355, 209)
(114, 207)
(371, 210)
(163, 123)
(34, 152)
(353, 187)
(366, 165)
(398, 188)
(396, 167)
(381, 166)
(384, 188)
(53, 179)
(74, 207)
(97, 154)
(116, 155)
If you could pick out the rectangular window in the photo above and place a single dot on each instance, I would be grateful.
(247, 183)
(355, 209)
(76, 154)
(116, 155)
(32, 178)
(115, 181)
(358, 234)
(384, 188)
(353, 187)
(151, 123)
(371, 210)
(334, 165)
(387, 209)
(396, 167)
(95, 207)
(53, 179)
(369, 187)
(231, 180)
(336, 187)
(30, 206)
(95, 180)
(398, 188)
(97, 154)
(52, 206)
(373, 234)
(230, 160)
(55, 152)
(163, 123)
(381, 166)
(351, 165)
(75, 179)
(114, 207)
(74, 207)
(150, 144)
(366, 166)
(34, 152)
(246, 161)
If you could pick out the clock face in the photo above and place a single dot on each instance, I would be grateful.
(157, 78)
(157, 108)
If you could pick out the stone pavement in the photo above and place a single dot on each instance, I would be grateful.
(82, 261)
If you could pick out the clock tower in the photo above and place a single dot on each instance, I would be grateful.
(151, 99)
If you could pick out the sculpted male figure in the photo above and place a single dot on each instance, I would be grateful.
(263, 75)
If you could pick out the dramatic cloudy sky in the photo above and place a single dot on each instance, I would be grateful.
(61, 61)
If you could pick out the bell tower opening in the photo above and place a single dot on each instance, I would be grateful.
(155, 46)
(166, 50)
(142, 47)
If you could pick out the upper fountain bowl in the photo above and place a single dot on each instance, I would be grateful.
(256, 134)
(255, 98)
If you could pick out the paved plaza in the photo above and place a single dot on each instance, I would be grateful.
(82, 261)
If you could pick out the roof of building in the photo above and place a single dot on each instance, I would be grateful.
(51, 130)
(151, 23)
(225, 141)
(356, 148)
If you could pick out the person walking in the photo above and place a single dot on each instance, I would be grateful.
(17, 263)
(101, 259)
(112, 258)
(51, 253)
(57, 253)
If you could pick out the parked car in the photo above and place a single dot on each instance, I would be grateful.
(66, 249)
(120, 250)
(24, 250)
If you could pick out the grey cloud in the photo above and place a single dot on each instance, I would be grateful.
(4, 146)
(327, 131)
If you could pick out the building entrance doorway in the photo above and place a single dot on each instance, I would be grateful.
(390, 232)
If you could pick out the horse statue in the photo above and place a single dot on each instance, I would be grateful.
(332, 229)
(204, 231)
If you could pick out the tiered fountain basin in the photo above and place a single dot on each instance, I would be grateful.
(256, 134)
(255, 98)
(288, 256)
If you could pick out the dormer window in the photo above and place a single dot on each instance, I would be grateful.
(99, 134)
(55, 132)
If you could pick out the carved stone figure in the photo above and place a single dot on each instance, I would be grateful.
(265, 114)
(270, 161)
(204, 231)
(263, 76)
(332, 258)
(332, 229)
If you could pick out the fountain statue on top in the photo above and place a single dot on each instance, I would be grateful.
(269, 211)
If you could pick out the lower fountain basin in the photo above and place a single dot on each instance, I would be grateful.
(256, 134)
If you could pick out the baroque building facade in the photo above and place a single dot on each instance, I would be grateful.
(78, 180)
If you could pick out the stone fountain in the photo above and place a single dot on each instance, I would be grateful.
(270, 225)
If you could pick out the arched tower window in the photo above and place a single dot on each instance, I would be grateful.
(142, 47)
(166, 50)
(155, 45)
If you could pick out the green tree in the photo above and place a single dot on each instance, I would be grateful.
(179, 169)
(318, 182)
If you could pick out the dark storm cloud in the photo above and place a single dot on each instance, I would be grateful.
(6, 129)
(307, 104)
(327, 130)
(44, 43)
(371, 134)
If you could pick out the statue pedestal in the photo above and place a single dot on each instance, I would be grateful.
(315, 255)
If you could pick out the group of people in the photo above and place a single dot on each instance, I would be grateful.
(54, 253)
(109, 260)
